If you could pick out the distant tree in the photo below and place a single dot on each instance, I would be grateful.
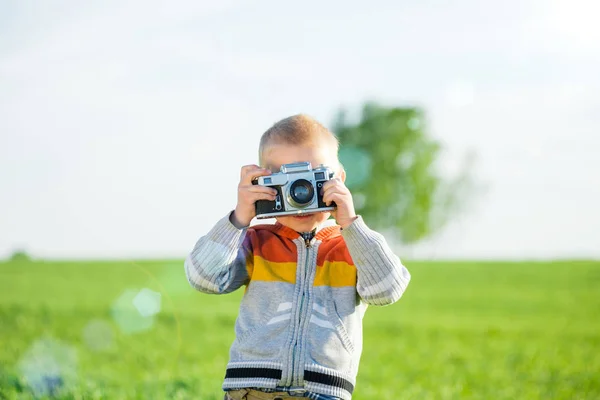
(19, 256)
(391, 171)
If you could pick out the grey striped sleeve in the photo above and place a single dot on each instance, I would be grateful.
(217, 264)
(381, 276)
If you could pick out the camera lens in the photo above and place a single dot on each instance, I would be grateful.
(302, 192)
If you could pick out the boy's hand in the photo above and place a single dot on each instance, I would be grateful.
(248, 194)
(335, 190)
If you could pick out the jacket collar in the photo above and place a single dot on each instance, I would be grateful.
(327, 230)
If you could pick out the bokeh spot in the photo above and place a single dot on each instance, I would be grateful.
(48, 366)
(413, 123)
(98, 335)
(405, 160)
(147, 302)
(127, 316)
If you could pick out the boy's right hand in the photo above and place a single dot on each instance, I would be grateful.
(248, 194)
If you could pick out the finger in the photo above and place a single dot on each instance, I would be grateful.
(327, 196)
(330, 190)
(333, 193)
(336, 198)
(250, 192)
(251, 172)
(254, 197)
(335, 182)
(259, 189)
(247, 168)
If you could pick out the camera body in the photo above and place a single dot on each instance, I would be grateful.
(298, 188)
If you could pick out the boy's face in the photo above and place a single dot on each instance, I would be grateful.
(275, 155)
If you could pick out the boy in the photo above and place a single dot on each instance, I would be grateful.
(308, 283)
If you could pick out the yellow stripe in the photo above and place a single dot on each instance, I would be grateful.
(270, 271)
(332, 273)
(335, 274)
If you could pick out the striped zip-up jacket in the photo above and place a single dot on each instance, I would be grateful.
(300, 319)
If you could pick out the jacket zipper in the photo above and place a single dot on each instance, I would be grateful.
(308, 246)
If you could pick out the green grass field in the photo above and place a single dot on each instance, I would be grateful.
(461, 331)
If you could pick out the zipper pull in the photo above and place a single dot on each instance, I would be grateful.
(307, 236)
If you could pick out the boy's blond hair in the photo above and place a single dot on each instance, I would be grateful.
(299, 129)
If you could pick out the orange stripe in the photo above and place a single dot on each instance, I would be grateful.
(335, 274)
(334, 249)
(268, 245)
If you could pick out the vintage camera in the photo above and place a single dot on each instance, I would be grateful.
(298, 188)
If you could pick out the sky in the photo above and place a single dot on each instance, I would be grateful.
(123, 124)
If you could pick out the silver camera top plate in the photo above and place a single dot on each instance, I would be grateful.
(296, 167)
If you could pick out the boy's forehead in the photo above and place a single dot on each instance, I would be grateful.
(274, 156)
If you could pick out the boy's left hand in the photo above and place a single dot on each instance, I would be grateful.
(335, 190)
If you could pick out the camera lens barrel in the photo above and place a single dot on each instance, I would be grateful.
(301, 192)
